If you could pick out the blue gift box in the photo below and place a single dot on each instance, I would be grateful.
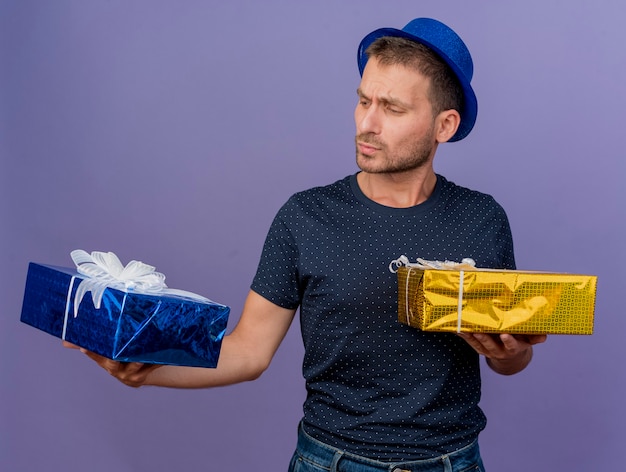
(166, 328)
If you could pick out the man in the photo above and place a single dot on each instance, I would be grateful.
(380, 395)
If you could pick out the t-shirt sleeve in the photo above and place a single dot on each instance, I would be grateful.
(503, 239)
(276, 277)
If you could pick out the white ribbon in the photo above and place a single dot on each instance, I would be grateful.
(459, 308)
(466, 263)
(67, 306)
(104, 270)
(423, 264)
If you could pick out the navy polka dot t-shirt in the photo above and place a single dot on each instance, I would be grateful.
(376, 387)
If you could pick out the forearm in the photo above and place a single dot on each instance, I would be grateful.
(245, 353)
(234, 366)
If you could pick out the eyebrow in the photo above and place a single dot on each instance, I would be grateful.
(385, 100)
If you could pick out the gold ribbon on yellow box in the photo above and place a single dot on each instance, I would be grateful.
(457, 297)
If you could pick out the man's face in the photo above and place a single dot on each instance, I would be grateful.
(395, 127)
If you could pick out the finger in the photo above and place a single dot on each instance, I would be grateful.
(524, 339)
(475, 340)
(469, 339)
(135, 374)
(115, 368)
(100, 360)
(489, 343)
(70, 345)
(513, 343)
(537, 338)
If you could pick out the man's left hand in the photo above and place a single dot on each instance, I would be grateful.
(506, 354)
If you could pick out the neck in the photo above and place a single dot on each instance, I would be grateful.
(401, 190)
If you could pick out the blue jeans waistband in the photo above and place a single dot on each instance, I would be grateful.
(313, 455)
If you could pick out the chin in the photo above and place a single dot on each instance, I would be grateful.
(366, 164)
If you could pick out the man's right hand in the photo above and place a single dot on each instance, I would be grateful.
(133, 374)
(244, 355)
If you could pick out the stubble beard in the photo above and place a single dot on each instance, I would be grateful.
(408, 158)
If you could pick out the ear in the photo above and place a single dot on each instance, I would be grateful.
(446, 124)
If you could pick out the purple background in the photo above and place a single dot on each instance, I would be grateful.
(171, 132)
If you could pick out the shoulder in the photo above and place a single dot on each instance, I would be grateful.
(315, 197)
(326, 191)
(458, 196)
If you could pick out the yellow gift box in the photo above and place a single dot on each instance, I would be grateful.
(496, 301)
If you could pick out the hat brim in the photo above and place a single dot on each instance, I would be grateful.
(470, 103)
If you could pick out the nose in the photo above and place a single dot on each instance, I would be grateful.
(367, 119)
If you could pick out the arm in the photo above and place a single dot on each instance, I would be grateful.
(506, 354)
(245, 354)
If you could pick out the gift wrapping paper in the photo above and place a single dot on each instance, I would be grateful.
(496, 301)
(129, 327)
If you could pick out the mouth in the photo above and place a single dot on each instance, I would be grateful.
(366, 149)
